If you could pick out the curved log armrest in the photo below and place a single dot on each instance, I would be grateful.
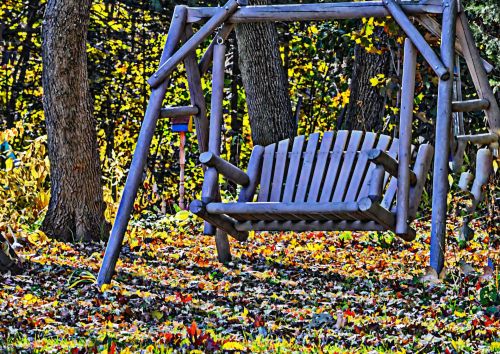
(225, 168)
(390, 165)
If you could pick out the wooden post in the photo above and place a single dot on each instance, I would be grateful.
(476, 69)
(405, 128)
(443, 124)
(196, 94)
(219, 17)
(140, 155)
(210, 189)
(418, 40)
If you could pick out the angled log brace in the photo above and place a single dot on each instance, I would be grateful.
(431, 25)
(418, 40)
(476, 69)
(140, 155)
(166, 68)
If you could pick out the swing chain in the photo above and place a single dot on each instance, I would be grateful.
(218, 38)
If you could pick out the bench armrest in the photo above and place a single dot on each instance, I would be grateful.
(390, 165)
(225, 168)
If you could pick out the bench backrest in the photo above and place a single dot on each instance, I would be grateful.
(329, 168)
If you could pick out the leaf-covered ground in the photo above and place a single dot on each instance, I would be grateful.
(310, 292)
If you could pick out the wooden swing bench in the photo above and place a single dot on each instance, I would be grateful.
(346, 181)
(343, 181)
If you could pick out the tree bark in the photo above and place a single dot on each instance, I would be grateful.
(76, 207)
(265, 82)
(366, 107)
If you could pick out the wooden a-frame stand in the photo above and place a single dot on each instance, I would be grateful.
(455, 37)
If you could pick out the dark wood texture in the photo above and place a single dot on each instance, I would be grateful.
(76, 206)
(265, 82)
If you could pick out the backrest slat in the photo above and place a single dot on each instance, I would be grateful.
(360, 168)
(392, 182)
(293, 168)
(267, 172)
(333, 167)
(382, 144)
(320, 167)
(279, 170)
(307, 164)
(392, 190)
(345, 171)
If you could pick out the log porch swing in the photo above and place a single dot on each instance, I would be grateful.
(342, 180)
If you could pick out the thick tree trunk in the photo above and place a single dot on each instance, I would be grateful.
(366, 104)
(265, 82)
(76, 208)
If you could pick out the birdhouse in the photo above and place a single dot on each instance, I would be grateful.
(182, 124)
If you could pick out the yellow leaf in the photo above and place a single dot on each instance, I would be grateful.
(9, 164)
(459, 314)
(232, 346)
(105, 287)
(374, 81)
(182, 215)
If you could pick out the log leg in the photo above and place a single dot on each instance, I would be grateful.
(443, 125)
(140, 156)
(222, 245)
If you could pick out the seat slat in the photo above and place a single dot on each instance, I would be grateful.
(320, 167)
(307, 165)
(347, 164)
(267, 170)
(293, 168)
(360, 168)
(333, 166)
(382, 144)
(279, 170)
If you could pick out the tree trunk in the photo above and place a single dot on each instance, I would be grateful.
(366, 107)
(265, 82)
(76, 207)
